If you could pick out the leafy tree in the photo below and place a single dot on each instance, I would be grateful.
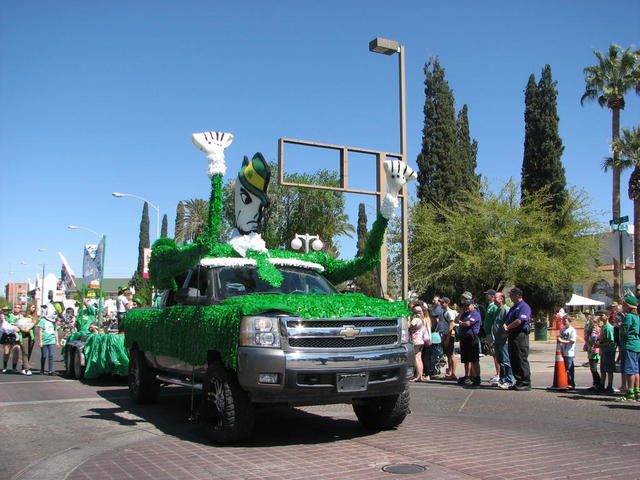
(178, 223)
(608, 82)
(165, 226)
(193, 221)
(627, 154)
(492, 240)
(368, 282)
(542, 165)
(439, 177)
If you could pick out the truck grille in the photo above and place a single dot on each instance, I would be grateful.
(342, 333)
(332, 342)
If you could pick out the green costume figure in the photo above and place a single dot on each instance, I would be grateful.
(168, 260)
(86, 317)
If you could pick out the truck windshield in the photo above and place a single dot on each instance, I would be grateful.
(233, 282)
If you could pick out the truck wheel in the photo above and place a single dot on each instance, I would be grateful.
(143, 385)
(383, 413)
(225, 410)
(78, 369)
(69, 355)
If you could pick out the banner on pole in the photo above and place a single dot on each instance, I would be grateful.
(145, 262)
(92, 261)
(67, 274)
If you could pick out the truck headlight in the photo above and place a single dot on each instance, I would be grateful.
(404, 327)
(257, 331)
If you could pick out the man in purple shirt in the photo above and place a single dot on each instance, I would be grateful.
(469, 322)
(517, 327)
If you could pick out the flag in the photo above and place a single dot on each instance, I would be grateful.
(92, 261)
(67, 273)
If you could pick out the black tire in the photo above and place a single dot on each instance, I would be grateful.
(143, 385)
(69, 355)
(383, 413)
(225, 410)
(78, 369)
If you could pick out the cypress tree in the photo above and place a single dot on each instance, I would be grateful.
(468, 151)
(542, 164)
(366, 283)
(439, 173)
(165, 226)
(177, 230)
(143, 238)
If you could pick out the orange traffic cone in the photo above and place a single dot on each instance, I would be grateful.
(560, 379)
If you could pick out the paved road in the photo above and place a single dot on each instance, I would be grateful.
(56, 428)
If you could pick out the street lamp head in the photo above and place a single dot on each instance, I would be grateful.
(72, 227)
(118, 194)
(42, 250)
(384, 46)
(296, 243)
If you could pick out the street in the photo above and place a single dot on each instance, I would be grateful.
(57, 428)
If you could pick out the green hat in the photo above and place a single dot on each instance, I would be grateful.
(6, 307)
(137, 300)
(254, 175)
(122, 287)
(631, 301)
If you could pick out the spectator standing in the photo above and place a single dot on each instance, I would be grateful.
(122, 305)
(607, 354)
(47, 336)
(469, 322)
(435, 348)
(500, 345)
(487, 326)
(446, 324)
(32, 314)
(617, 317)
(417, 331)
(15, 319)
(436, 308)
(593, 354)
(9, 340)
(567, 343)
(517, 327)
(630, 345)
(25, 324)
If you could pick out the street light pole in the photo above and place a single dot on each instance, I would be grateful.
(157, 207)
(389, 47)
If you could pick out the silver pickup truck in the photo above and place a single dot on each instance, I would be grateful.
(241, 343)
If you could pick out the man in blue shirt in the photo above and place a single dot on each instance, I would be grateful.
(469, 328)
(517, 327)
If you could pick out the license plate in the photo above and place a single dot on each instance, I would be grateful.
(352, 382)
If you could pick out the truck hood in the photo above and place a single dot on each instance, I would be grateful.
(320, 306)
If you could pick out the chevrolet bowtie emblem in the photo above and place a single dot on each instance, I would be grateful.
(349, 332)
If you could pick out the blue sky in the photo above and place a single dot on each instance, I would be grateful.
(97, 97)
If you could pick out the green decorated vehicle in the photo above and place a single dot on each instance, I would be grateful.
(244, 326)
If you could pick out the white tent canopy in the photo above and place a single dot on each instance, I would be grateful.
(577, 300)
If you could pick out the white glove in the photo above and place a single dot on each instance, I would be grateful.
(398, 174)
(213, 144)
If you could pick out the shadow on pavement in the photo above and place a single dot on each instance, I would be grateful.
(275, 425)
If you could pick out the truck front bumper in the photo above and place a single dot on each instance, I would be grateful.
(311, 378)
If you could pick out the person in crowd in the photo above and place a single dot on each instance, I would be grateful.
(607, 355)
(32, 313)
(67, 324)
(123, 304)
(417, 329)
(25, 333)
(593, 353)
(617, 317)
(86, 321)
(47, 336)
(436, 308)
(630, 345)
(446, 324)
(469, 322)
(567, 344)
(9, 339)
(435, 349)
(517, 327)
(500, 344)
(136, 303)
(487, 326)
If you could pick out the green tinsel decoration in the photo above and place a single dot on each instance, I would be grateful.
(189, 332)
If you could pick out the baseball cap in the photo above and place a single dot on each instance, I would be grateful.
(466, 298)
(491, 291)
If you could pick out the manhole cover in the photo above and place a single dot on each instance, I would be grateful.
(404, 468)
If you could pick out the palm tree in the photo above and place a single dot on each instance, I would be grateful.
(626, 150)
(607, 83)
(194, 220)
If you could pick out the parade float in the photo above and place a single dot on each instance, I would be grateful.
(243, 326)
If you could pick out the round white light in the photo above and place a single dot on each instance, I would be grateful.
(317, 244)
(296, 243)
